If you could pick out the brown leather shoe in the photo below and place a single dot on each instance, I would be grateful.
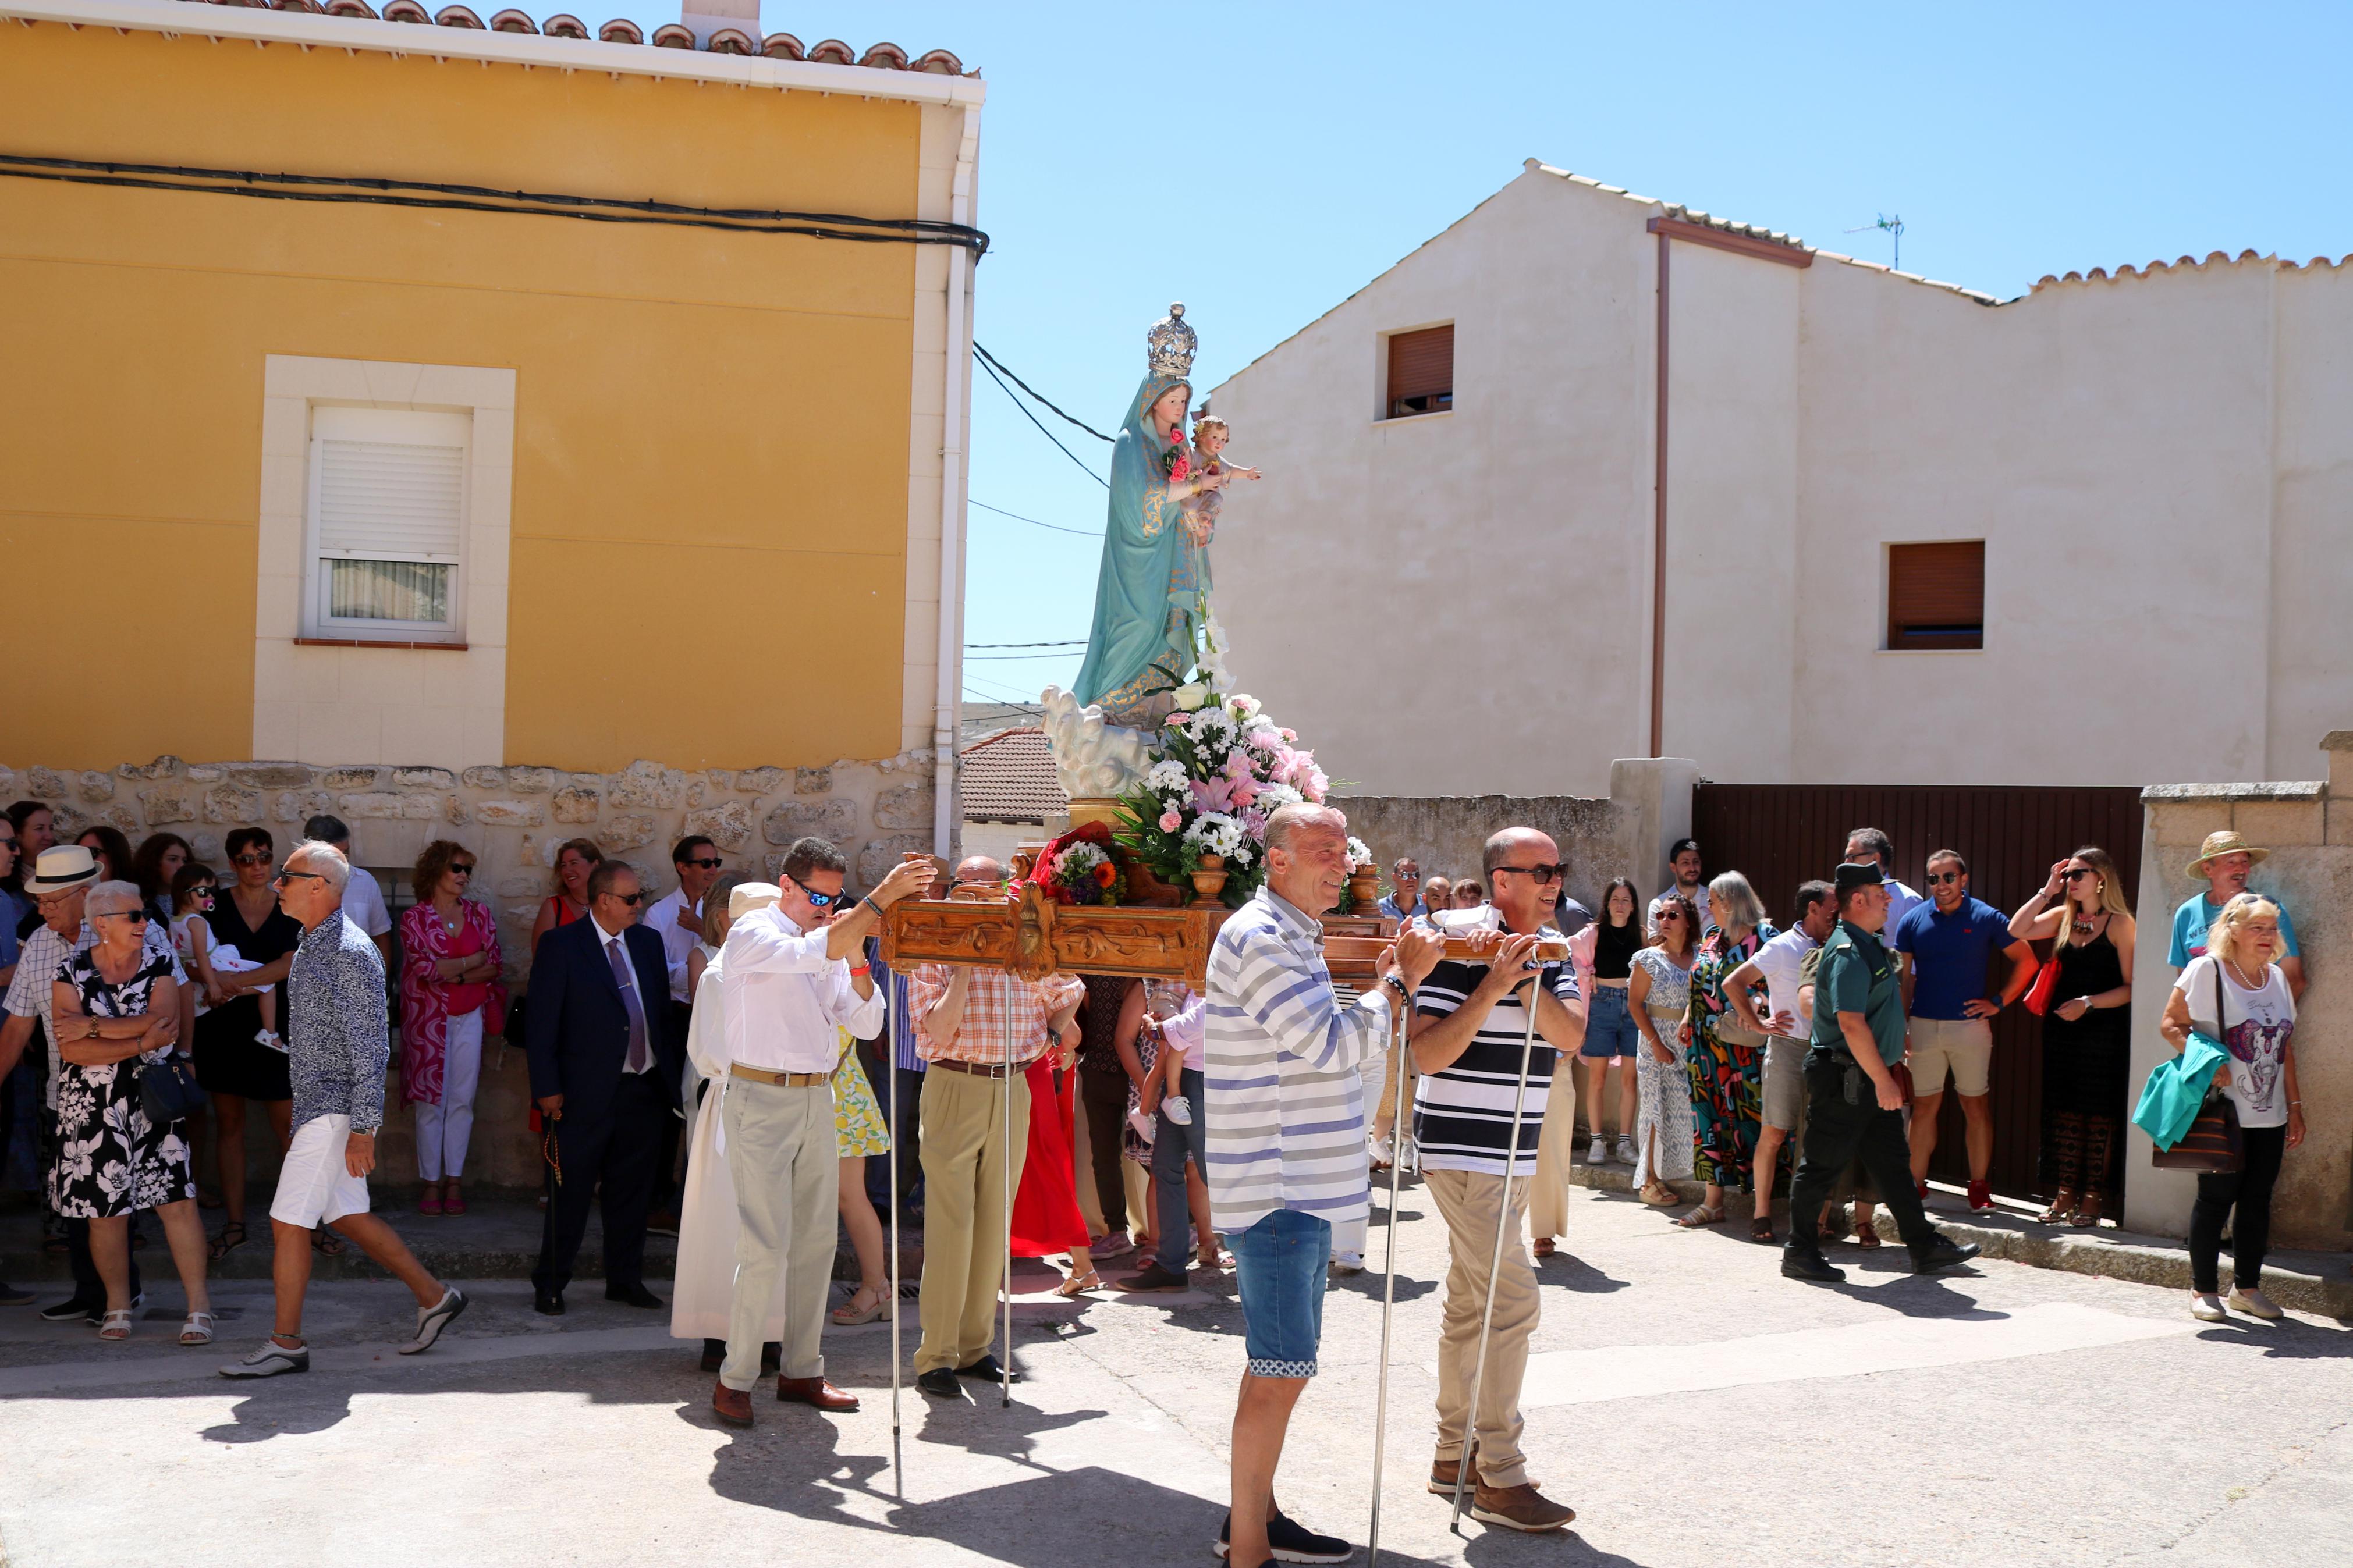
(815, 1391)
(1519, 1507)
(731, 1406)
(1441, 1476)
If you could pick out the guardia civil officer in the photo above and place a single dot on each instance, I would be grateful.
(1855, 1104)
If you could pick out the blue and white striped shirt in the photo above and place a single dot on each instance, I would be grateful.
(1284, 1120)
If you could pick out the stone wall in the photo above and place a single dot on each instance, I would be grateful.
(2308, 828)
(513, 819)
(1446, 833)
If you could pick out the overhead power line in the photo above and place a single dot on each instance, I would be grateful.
(1000, 365)
(1066, 642)
(1041, 428)
(1058, 528)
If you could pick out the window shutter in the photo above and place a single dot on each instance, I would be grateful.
(1935, 595)
(386, 500)
(1421, 371)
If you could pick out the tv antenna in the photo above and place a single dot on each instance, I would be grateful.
(1893, 225)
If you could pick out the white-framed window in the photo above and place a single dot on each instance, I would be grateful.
(385, 525)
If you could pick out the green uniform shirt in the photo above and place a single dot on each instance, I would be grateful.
(1857, 974)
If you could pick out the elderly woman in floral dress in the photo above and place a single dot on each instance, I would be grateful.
(450, 997)
(115, 1005)
(1723, 1058)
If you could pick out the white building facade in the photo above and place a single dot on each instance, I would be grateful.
(2159, 467)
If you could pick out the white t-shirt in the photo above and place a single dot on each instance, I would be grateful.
(1779, 961)
(364, 904)
(668, 919)
(2255, 1028)
(1698, 898)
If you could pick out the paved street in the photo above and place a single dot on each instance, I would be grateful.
(1693, 1407)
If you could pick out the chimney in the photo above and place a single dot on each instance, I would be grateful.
(708, 16)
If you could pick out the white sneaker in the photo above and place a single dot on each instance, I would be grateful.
(270, 1360)
(1383, 1155)
(1625, 1155)
(2255, 1304)
(1179, 1109)
(1597, 1153)
(2208, 1309)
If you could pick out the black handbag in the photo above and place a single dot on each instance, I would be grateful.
(168, 1089)
(2213, 1146)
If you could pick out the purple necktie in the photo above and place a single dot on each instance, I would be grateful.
(636, 1061)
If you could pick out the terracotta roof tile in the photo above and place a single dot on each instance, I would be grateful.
(2186, 264)
(621, 30)
(1010, 777)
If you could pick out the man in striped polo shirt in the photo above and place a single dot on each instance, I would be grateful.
(1286, 1136)
(1467, 1043)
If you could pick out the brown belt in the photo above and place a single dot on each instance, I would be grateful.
(779, 1079)
(979, 1069)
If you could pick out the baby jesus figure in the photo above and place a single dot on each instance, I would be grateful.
(1209, 437)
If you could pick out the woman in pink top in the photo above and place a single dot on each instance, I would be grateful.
(450, 997)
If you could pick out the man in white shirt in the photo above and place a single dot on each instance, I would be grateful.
(787, 990)
(363, 898)
(1869, 844)
(1683, 859)
(1785, 1033)
(678, 920)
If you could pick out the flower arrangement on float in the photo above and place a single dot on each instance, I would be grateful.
(1224, 768)
(1081, 867)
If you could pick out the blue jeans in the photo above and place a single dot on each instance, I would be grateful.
(1279, 1267)
(1171, 1146)
(1608, 1026)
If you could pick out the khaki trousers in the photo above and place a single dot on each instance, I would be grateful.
(1467, 1200)
(786, 1167)
(1548, 1192)
(964, 1181)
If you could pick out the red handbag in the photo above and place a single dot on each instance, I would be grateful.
(2038, 1000)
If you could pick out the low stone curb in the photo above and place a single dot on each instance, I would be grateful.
(2300, 1281)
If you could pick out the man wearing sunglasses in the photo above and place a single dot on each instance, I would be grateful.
(677, 919)
(605, 1069)
(1949, 942)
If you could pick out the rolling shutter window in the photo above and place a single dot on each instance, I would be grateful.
(1935, 595)
(388, 508)
(1421, 371)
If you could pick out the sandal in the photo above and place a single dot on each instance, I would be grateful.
(1761, 1230)
(198, 1329)
(1214, 1260)
(2088, 1212)
(115, 1325)
(326, 1243)
(1659, 1196)
(1077, 1283)
(431, 1202)
(231, 1237)
(2059, 1208)
(1544, 1248)
(1866, 1236)
(452, 1200)
(849, 1315)
(1701, 1216)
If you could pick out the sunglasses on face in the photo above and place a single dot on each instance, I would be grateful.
(825, 900)
(2078, 872)
(1667, 915)
(1541, 873)
(253, 858)
(709, 863)
(283, 878)
(136, 917)
(632, 900)
(1936, 878)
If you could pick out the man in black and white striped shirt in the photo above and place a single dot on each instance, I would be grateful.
(1469, 1039)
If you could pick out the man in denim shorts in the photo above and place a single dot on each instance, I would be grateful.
(1284, 1125)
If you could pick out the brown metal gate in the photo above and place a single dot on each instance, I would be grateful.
(1782, 835)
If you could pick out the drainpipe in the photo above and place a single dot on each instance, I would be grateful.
(954, 433)
(1659, 528)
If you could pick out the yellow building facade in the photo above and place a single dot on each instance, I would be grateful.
(421, 480)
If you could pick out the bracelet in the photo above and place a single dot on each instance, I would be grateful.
(869, 901)
(862, 969)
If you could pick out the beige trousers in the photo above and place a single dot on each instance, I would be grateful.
(1468, 1201)
(1548, 1194)
(1135, 1177)
(964, 1181)
(782, 1157)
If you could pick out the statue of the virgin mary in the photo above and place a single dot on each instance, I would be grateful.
(1153, 629)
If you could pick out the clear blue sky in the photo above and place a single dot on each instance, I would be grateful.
(2015, 141)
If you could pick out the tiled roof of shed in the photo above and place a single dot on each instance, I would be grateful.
(2186, 264)
(620, 30)
(1010, 777)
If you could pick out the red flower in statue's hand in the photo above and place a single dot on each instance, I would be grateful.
(1180, 471)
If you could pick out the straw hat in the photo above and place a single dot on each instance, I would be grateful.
(2217, 844)
(749, 896)
(66, 866)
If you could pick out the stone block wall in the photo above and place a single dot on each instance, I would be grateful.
(2308, 828)
(1446, 834)
(513, 819)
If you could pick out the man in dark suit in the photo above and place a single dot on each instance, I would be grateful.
(605, 1071)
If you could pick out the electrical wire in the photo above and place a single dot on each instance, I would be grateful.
(1058, 528)
(1042, 431)
(1066, 642)
(1014, 657)
(380, 190)
(1000, 365)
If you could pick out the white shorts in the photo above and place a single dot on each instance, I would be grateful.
(314, 1185)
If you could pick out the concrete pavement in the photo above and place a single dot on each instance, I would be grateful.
(1695, 1407)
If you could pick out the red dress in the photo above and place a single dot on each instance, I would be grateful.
(1046, 1219)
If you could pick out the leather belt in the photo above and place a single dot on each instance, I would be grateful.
(778, 1079)
(978, 1070)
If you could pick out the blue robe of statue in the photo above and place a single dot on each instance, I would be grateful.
(1151, 591)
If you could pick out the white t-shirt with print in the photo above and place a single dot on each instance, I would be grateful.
(2255, 1028)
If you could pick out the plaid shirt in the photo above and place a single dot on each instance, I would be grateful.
(42, 960)
(997, 1007)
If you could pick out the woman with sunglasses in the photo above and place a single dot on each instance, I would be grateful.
(1657, 993)
(450, 997)
(232, 1064)
(2086, 1031)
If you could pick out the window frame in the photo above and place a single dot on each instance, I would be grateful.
(1387, 400)
(1952, 637)
(317, 622)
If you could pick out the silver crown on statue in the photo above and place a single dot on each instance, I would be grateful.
(1171, 343)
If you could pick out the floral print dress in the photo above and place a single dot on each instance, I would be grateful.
(112, 1161)
(1665, 1096)
(858, 1125)
(1726, 1075)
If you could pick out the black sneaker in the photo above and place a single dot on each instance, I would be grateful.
(10, 1296)
(1291, 1542)
(72, 1308)
(1809, 1266)
(1943, 1255)
(1152, 1277)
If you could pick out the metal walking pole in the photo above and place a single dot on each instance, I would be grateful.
(1494, 1267)
(1389, 1299)
(1005, 1363)
(898, 1476)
